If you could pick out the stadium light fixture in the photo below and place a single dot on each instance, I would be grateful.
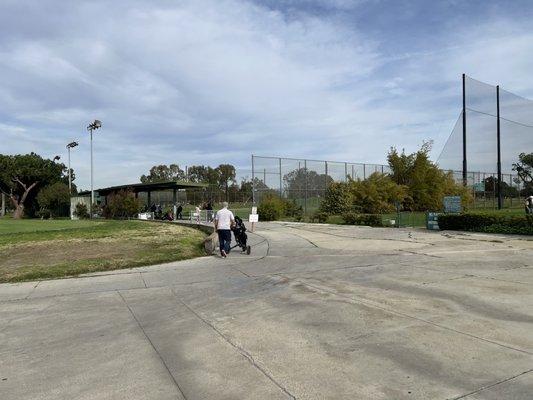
(95, 125)
(71, 145)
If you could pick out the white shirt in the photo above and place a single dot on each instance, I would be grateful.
(224, 218)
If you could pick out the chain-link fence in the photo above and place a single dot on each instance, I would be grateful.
(305, 181)
(302, 180)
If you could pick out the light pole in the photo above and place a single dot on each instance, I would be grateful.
(70, 146)
(95, 125)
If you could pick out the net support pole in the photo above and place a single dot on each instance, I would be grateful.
(253, 181)
(305, 194)
(325, 177)
(499, 188)
(465, 178)
(280, 184)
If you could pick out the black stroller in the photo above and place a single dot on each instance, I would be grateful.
(239, 231)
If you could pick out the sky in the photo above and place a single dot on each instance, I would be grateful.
(214, 81)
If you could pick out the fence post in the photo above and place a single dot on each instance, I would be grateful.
(364, 171)
(465, 178)
(305, 199)
(499, 147)
(280, 185)
(345, 172)
(253, 181)
(326, 178)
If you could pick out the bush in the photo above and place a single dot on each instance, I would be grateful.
(53, 200)
(338, 198)
(121, 204)
(352, 218)
(376, 194)
(320, 216)
(81, 211)
(487, 222)
(44, 213)
(273, 207)
(293, 210)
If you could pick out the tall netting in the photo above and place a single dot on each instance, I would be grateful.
(304, 181)
(516, 136)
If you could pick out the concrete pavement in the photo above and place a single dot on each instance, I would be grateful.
(316, 312)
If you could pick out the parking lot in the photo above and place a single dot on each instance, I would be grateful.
(315, 312)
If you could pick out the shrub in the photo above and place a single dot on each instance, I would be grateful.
(44, 213)
(487, 222)
(273, 207)
(320, 216)
(81, 211)
(53, 200)
(121, 204)
(425, 182)
(376, 194)
(293, 210)
(338, 198)
(352, 218)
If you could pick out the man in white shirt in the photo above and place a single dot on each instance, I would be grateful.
(224, 220)
(529, 205)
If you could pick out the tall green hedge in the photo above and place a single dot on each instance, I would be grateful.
(487, 222)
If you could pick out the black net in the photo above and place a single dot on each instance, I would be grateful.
(516, 130)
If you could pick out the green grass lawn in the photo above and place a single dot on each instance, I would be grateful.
(9, 225)
(36, 249)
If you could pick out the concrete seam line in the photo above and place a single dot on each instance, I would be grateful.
(142, 277)
(153, 346)
(492, 385)
(241, 350)
(372, 304)
(304, 238)
(33, 290)
(472, 276)
(361, 238)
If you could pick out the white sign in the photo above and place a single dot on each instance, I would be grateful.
(254, 210)
(253, 218)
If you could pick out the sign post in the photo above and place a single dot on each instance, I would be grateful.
(253, 217)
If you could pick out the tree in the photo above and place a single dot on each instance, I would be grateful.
(163, 173)
(302, 179)
(376, 194)
(226, 175)
(491, 185)
(524, 169)
(22, 175)
(427, 184)
(54, 198)
(122, 204)
(203, 174)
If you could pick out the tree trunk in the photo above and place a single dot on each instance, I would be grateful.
(19, 204)
(19, 211)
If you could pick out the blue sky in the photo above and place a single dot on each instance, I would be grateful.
(212, 81)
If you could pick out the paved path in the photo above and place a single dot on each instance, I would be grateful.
(316, 312)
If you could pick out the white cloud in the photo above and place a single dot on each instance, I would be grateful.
(211, 81)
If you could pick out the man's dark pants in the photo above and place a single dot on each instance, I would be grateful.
(224, 239)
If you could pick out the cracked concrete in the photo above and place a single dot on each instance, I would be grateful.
(316, 312)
